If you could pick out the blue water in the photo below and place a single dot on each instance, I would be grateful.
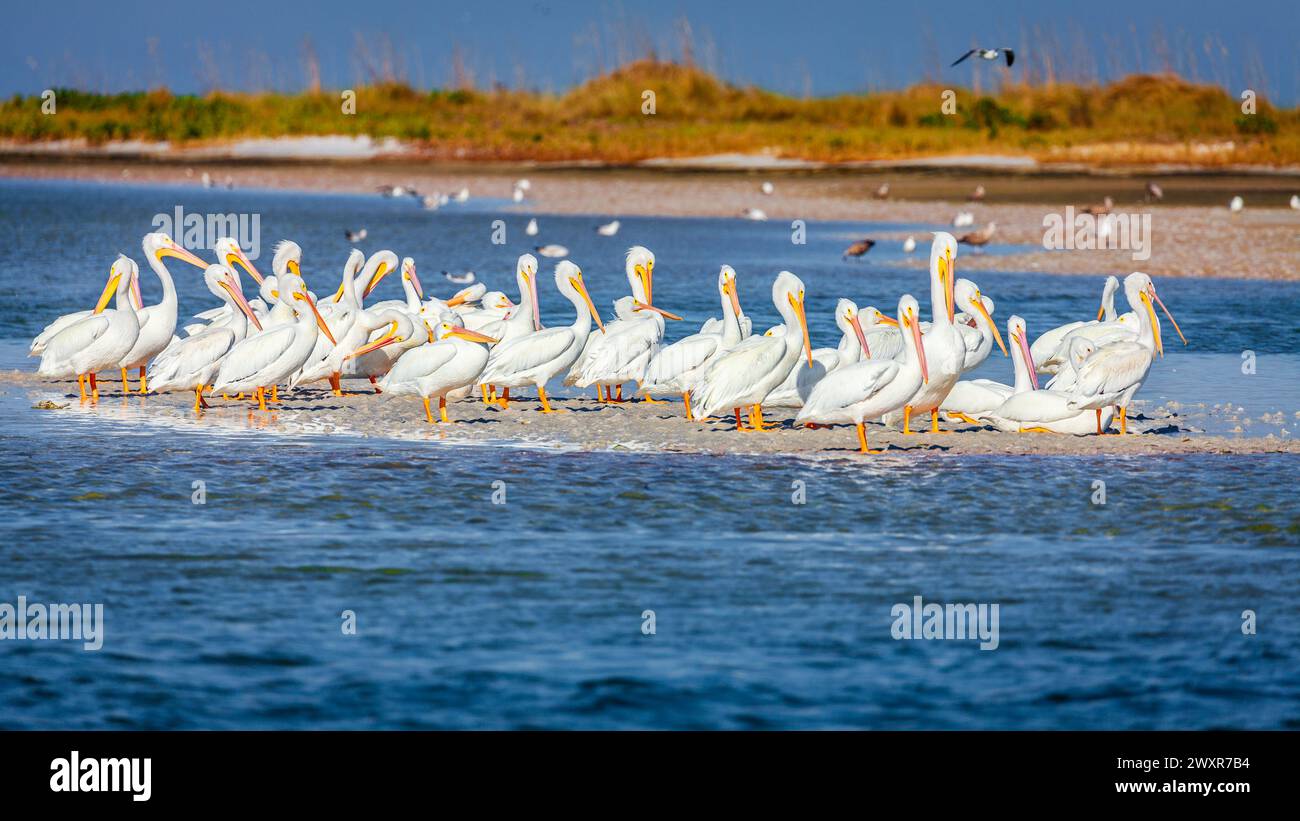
(530, 613)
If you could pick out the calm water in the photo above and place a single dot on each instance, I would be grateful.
(529, 613)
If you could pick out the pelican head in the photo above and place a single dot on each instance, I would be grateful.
(123, 276)
(408, 275)
(967, 295)
(848, 320)
(640, 270)
(788, 297)
(1019, 335)
(526, 275)
(293, 290)
(1141, 292)
(472, 294)
(223, 280)
(451, 330)
(287, 258)
(874, 316)
(943, 272)
(728, 289)
(909, 322)
(230, 254)
(159, 245)
(568, 278)
(1108, 296)
(380, 265)
(401, 330)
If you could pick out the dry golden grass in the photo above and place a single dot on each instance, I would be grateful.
(1138, 119)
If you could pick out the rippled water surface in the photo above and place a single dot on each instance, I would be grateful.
(530, 613)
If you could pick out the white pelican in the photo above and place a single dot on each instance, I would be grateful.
(623, 352)
(287, 259)
(945, 349)
(131, 300)
(794, 391)
(100, 340)
(537, 357)
(1116, 370)
(403, 332)
(269, 358)
(973, 396)
(745, 375)
(494, 305)
(464, 300)
(453, 362)
(228, 253)
(676, 367)
(350, 324)
(192, 362)
(872, 388)
(1046, 411)
(525, 318)
(412, 291)
(157, 322)
(979, 336)
(1047, 343)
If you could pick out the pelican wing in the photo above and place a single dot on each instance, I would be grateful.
(50, 331)
(421, 362)
(683, 355)
(842, 388)
(1113, 368)
(189, 357)
(255, 354)
(75, 337)
(526, 353)
(732, 375)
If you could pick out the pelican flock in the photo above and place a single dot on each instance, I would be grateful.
(889, 370)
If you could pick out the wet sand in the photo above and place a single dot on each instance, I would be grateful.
(1188, 240)
(632, 427)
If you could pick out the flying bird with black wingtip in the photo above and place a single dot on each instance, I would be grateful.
(988, 54)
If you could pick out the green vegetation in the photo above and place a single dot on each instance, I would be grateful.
(1141, 118)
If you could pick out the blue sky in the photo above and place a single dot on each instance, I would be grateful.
(820, 46)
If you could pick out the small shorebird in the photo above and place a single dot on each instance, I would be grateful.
(609, 229)
(1236, 204)
(978, 238)
(459, 279)
(767, 188)
(1154, 192)
(461, 196)
(1097, 210)
(756, 214)
(963, 219)
(977, 195)
(989, 54)
(354, 236)
(858, 248)
(882, 193)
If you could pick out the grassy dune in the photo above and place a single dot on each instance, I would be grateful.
(1139, 119)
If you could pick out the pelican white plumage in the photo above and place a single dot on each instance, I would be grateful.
(1048, 344)
(872, 388)
(536, 358)
(525, 318)
(1116, 370)
(228, 253)
(157, 322)
(192, 362)
(1236, 204)
(271, 357)
(531, 228)
(675, 367)
(402, 331)
(909, 245)
(980, 335)
(794, 391)
(350, 326)
(412, 292)
(1046, 411)
(131, 300)
(973, 396)
(493, 306)
(945, 349)
(100, 340)
(452, 362)
(745, 375)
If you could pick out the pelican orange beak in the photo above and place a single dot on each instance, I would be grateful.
(232, 287)
(886, 320)
(1101, 312)
(382, 271)
(581, 288)
(389, 337)
(293, 268)
(797, 304)
(730, 287)
(1023, 344)
(472, 336)
(320, 320)
(1171, 316)
(238, 257)
(109, 289)
(415, 282)
(949, 285)
(461, 297)
(537, 309)
(997, 335)
(641, 306)
(915, 328)
(136, 298)
(1155, 323)
(862, 338)
(172, 249)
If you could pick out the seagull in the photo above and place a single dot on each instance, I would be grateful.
(977, 195)
(963, 219)
(988, 54)
(767, 188)
(460, 279)
(391, 190)
(754, 214)
(1154, 192)
(883, 191)
(858, 248)
(517, 195)
(552, 251)
(978, 238)
(531, 228)
(1236, 205)
(523, 184)
(1295, 201)
(462, 195)
(909, 245)
(355, 236)
(609, 229)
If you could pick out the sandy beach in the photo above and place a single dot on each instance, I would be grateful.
(637, 427)
(1186, 240)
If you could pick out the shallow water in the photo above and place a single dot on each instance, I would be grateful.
(530, 613)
